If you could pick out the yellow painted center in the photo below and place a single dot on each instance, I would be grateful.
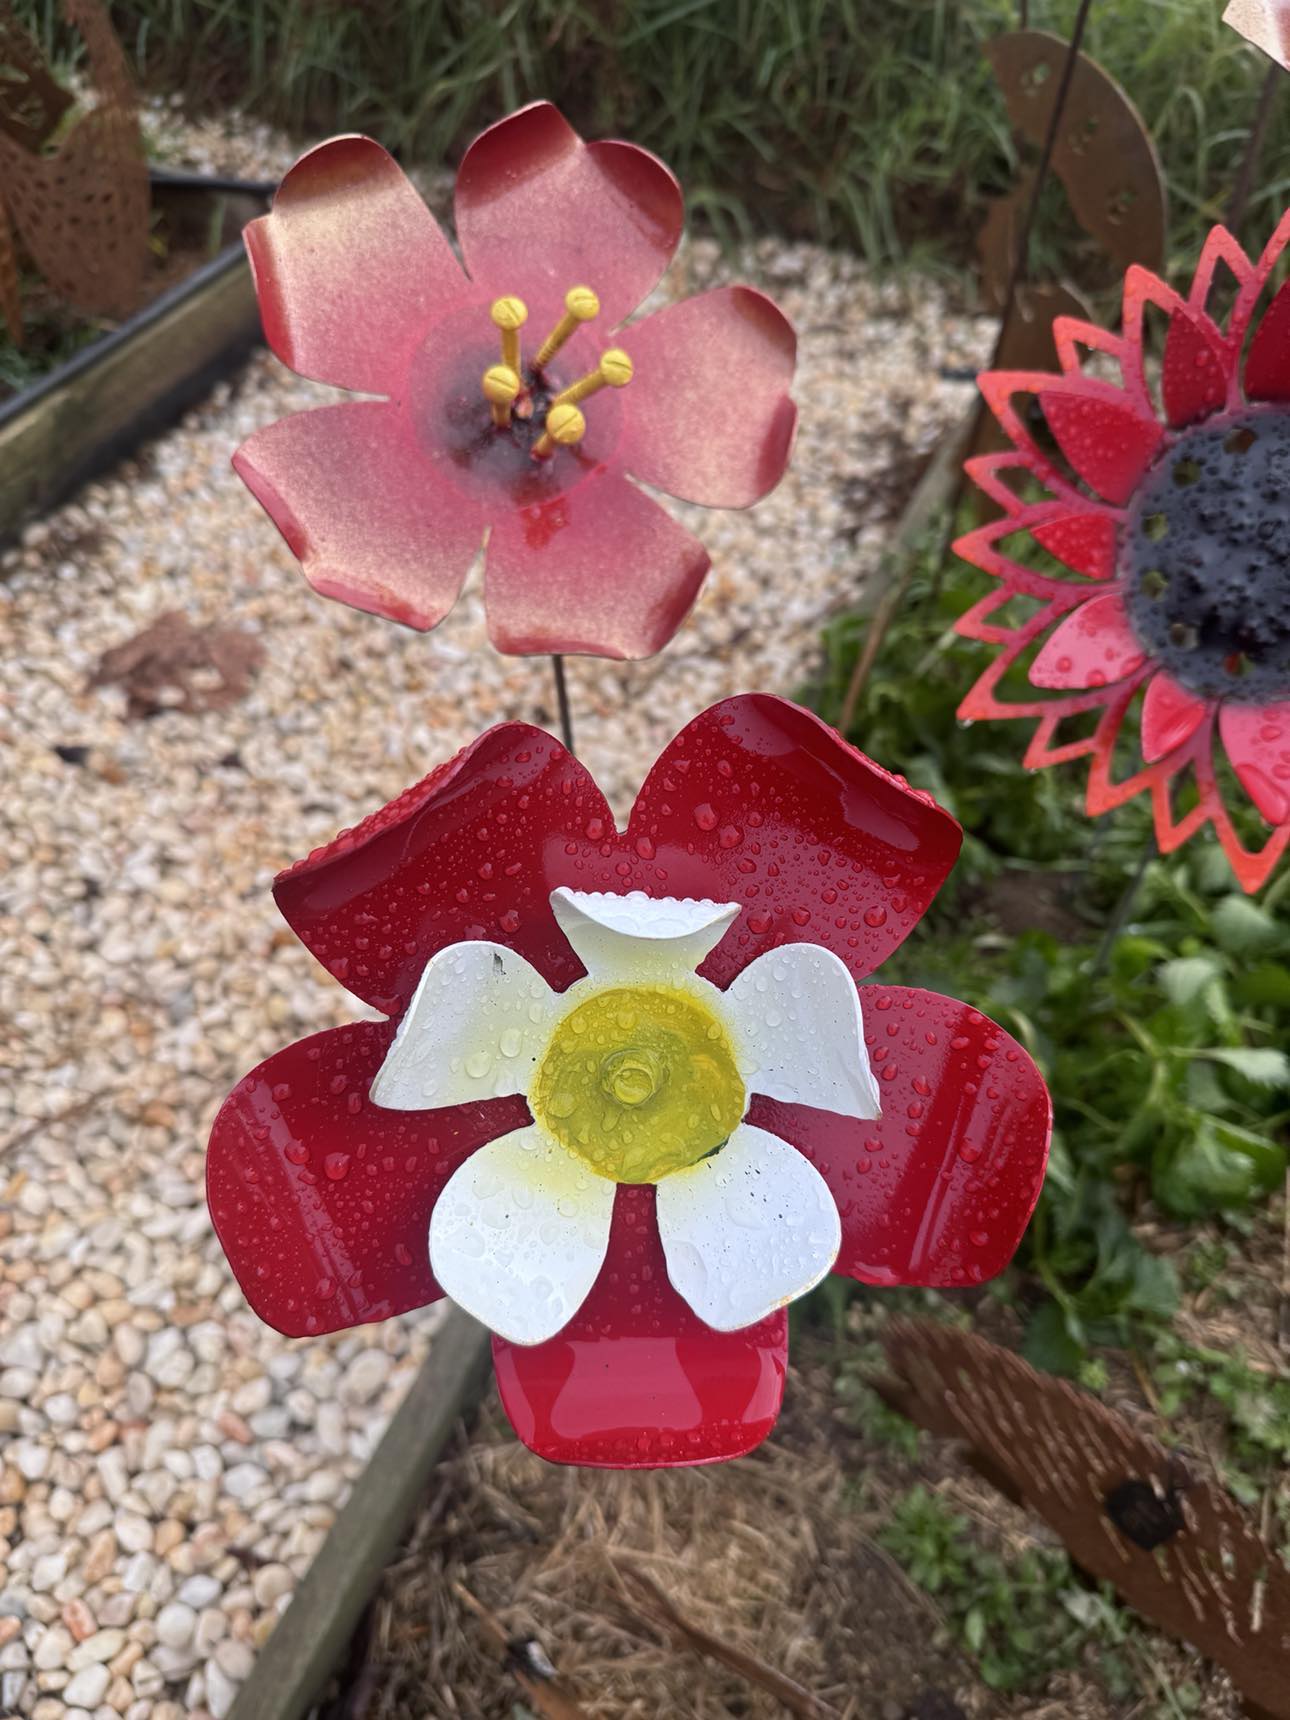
(639, 1081)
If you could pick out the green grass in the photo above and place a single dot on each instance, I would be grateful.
(870, 123)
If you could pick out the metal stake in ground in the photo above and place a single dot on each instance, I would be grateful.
(562, 702)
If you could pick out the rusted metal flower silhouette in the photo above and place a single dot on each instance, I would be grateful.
(1175, 1545)
(1165, 509)
(80, 211)
(484, 431)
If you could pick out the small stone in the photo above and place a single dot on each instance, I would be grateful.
(100, 1557)
(270, 1582)
(87, 1688)
(52, 1649)
(175, 1626)
(364, 1377)
(200, 1591)
(99, 1647)
(79, 1619)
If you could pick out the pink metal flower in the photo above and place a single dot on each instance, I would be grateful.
(1266, 23)
(1164, 500)
(628, 1100)
(484, 430)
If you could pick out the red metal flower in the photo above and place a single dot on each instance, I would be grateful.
(637, 1264)
(386, 502)
(1163, 499)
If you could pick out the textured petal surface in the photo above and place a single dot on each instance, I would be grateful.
(636, 1380)
(362, 509)
(1107, 441)
(1194, 371)
(795, 1019)
(1092, 647)
(1257, 740)
(747, 1230)
(539, 211)
(474, 1030)
(1267, 364)
(600, 569)
(1170, 716)
(321, 1200)
(941, 1189)
(519, 1234)
(350, 267)
(630, 935)
(756, 801)
(709, 416)
(1084, 541)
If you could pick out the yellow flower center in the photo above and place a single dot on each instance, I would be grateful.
(512, 391)
(639, 1081)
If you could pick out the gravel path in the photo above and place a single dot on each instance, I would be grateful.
(168, 1465)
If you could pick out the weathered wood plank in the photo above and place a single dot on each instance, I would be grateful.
(314, 1632)
(90, 413)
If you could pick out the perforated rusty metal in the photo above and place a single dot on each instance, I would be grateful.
(31, 103)
(1103, 153)
(1175, 1545)
(81, 211)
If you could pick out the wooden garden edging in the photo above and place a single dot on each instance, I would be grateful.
(314, 1632)
(92, 410)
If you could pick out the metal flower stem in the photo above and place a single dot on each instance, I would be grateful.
(562, 702)
(1253, 150)
(1123, 908)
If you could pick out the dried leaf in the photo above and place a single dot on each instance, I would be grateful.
(173, 665)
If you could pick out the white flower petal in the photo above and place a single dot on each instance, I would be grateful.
(519, 1234)
(477, 1024)
(794, 1017)
(639, 936)
(747, 1230)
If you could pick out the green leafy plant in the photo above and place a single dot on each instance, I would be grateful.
(1021, 1617)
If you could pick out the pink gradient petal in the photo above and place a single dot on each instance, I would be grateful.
(1084, 542)
(1257, 739)
(1194, 371)
(1170, 716)
(600, 569)
(361, 508)
(1267, 364)
(1108, 442)
(1092, 647)
(636, 1380)
(539, 211)
(350, 267)
(709, 417)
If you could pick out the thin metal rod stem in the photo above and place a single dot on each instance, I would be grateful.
(562, 702)
(1253, 150)
(1123, 908)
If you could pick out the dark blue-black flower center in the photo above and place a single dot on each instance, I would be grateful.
(1206, 557)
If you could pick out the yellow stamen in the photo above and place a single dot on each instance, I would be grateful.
(510, 315)
(580, 305)
(501, 386)
(613, 371)
(564, 426)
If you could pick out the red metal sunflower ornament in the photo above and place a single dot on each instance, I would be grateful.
(628, 1101)
(482, 430)
(1167, 507)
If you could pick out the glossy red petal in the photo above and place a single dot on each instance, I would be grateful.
(709, 416)
(1092, 647)
(539, 211)
(1084, 542)
(636, 1380)
(351, 268)
(363, 510)
(1170, 716)
(1194, 373)
(1106, 439)
(472, 851)
(1267, 363)
(940, 1190)
(322, 1200)
(1257, 741)
(600, 568)
(758, 801)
